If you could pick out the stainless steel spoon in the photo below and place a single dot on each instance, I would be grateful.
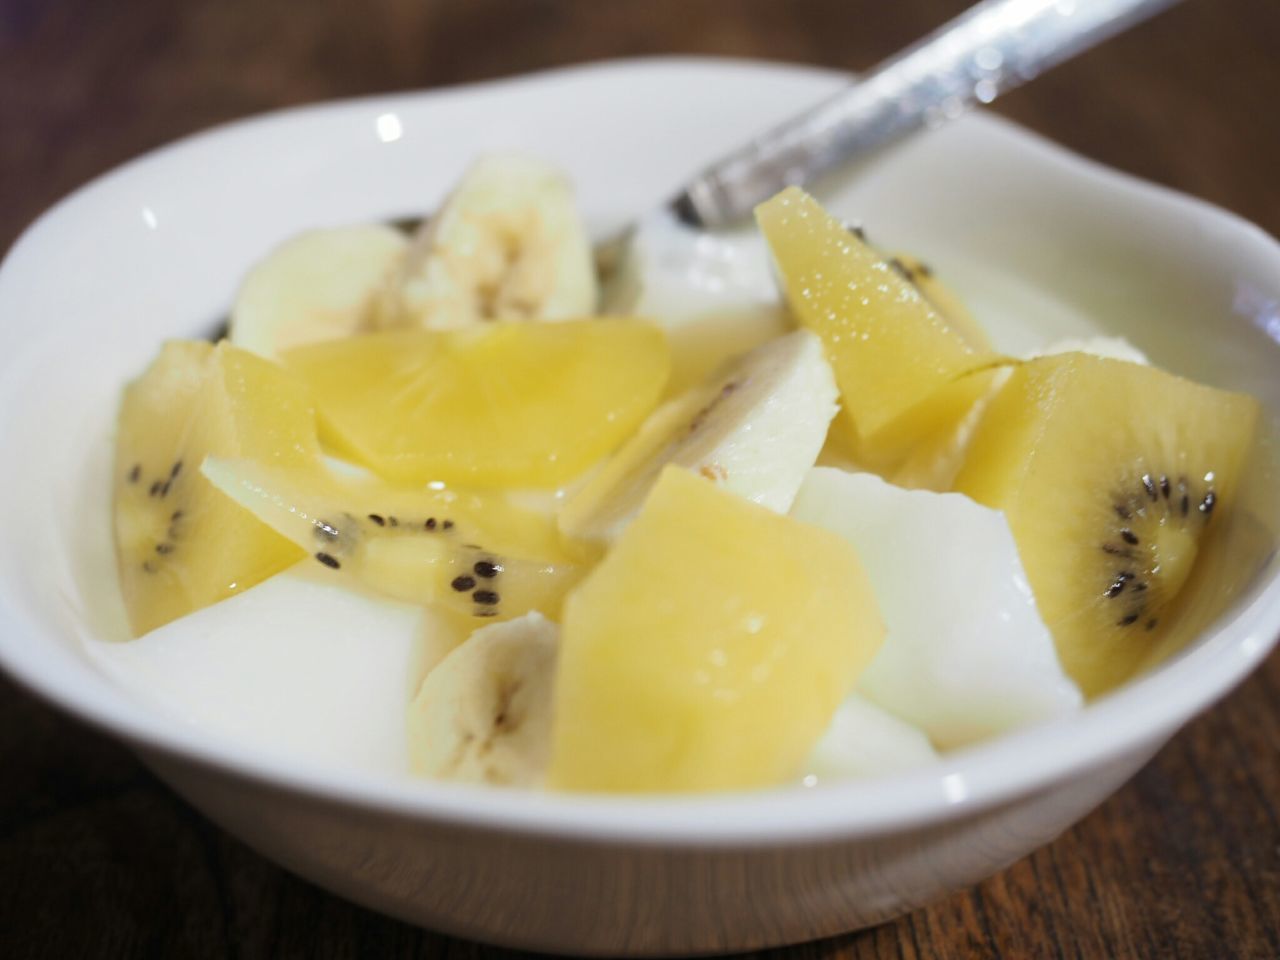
(992, 47)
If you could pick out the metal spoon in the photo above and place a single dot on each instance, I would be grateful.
(992, 47)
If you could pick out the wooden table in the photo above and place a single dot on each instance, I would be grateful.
(97, 858)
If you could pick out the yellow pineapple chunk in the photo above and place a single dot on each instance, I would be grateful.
(892, 351)
(709, 649)
(1116, 479)
(180, 544)
(512, 404)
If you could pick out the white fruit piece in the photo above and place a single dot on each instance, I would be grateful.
(713, 294)
(294, 667)
(966, 655)
(320, 285)
(755, 429)
(508, 244)
(483, 715)
(864, 740)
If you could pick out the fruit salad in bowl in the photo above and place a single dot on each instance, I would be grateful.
(695, 598)
(784, 554)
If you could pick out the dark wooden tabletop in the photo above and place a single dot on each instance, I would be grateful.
(98, 859)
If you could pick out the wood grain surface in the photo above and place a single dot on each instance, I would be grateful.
(98, 859)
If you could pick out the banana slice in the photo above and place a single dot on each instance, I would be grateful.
(317, 286)
(755, 429)
(483, 715)
(508, 244)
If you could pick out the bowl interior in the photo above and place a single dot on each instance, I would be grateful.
(1040, 244)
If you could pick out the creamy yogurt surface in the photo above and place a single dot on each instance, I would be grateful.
(294, 664)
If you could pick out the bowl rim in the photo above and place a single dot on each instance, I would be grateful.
(1139, 716)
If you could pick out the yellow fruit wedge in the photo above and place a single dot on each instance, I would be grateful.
(940, 439)
(181, 545)
(709, 649)
(474, 554)
(507, 405)
(1115, 478)
(891, 349)
(943, 299)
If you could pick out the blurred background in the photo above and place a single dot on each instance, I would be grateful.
(97, 858)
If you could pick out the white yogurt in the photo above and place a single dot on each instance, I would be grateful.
(966, 655)
(713, 294)
(864, 740)
(294, 665)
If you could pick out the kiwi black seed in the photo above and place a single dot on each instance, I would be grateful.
(408, 225)
(338, 539)
(162, 484)
(328, 533)
(856, 230)
(484, 582)
(341, 536)
(1131, 582)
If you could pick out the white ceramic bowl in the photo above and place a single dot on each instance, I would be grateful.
(1025, 230)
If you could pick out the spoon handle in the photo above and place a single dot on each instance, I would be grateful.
(992, 47)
